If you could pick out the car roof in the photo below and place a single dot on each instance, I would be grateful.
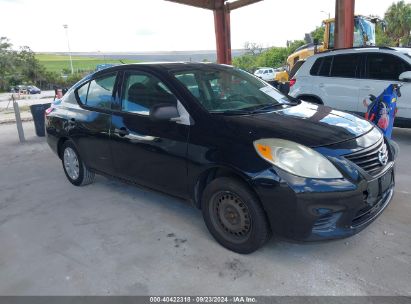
(365, 50)
(165, 66)
(155, 66)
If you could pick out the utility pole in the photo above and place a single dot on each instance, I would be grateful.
(68, 46)
(327, 13)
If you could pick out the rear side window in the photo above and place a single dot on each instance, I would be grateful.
(295, 68)
(70, 98)
(316, 67)
(345, 66)
(385, 67)
(82, 93)
(98, 93)
(325, 66)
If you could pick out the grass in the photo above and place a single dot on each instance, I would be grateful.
(56, 63)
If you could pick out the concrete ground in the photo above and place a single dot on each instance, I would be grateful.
(114, 239)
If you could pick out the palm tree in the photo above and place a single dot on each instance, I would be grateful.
(398, 18)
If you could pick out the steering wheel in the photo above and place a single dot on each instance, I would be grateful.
(236, 97)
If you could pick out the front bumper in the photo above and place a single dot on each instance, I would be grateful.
(310, 209)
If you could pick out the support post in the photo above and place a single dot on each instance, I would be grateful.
(344, 23)
(221, 11)
(18, 120)
(222, 32)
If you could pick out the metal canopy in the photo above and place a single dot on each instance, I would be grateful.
(344, 22)
(221, 9)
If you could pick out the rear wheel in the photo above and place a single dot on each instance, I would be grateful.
(233, 215)
(76, 171)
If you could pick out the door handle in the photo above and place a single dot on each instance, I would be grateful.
(321, 85)
(367, 88)
(122, 132)
(137, 137)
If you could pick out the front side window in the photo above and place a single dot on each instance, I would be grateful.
(190, 82)
(229, 90)
(345, 66)
(384, 67)
(142, 91)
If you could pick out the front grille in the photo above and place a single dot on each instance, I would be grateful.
(368, 159)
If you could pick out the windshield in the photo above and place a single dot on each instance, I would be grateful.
(369, 29)
(229, 90)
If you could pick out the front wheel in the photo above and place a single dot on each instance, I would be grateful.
(234, 216)
(76, 171)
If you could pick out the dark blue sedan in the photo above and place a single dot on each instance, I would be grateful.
(253, 160)
(33, 90)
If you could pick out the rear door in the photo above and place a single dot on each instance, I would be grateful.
(381, 70)
(340, 90)
(151, 153)
(89, 124)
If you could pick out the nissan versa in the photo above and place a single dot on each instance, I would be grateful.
(255, 161)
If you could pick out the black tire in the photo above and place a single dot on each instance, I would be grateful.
(85, 176)
(232, 230)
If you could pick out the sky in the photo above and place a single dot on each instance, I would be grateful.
(158, 25)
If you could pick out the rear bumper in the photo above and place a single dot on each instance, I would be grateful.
(310, 210)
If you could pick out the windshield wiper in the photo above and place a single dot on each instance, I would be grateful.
(231, 112)
(266, 107)
(254, 109)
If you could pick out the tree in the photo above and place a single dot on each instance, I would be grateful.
(318, 34)
(246, 62)
(253, 48)
(273, 57)
(398, 18)
(293, 45)
(382, 38)
(30, 67)
(7, 62)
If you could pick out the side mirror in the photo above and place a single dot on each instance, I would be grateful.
(406, 76)
(164, 112)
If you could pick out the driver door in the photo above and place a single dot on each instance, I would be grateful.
(149, 152)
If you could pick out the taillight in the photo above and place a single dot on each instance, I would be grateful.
(292, 82)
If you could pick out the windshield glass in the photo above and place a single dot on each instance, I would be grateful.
(369, 29)
(229, 90)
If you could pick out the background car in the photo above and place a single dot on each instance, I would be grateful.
(266, 74)
(33, 90)
(20, 88)
(342, 79)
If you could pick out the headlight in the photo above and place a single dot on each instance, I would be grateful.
(295, 158)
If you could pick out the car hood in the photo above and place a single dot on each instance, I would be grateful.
(308, 124)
